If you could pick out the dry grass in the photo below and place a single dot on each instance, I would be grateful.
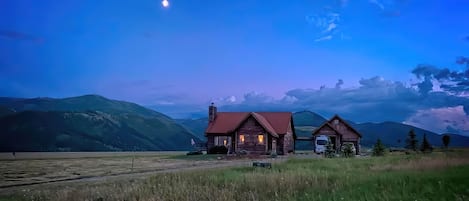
(427, 162)
(417, 177)
(46, 167)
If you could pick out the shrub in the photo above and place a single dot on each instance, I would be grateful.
(330, 152)
(218, 150)
(348, 150)
(378, 149)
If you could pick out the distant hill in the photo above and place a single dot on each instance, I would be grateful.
(308, 118)
(87, 123)
(80, 103)
(196, 126)
(394, 134)
(5, 111)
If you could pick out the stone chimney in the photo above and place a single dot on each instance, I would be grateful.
(212, 112)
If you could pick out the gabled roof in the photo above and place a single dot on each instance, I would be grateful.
(264, 123)
(346, 124)
(328, 124)
(273, 122)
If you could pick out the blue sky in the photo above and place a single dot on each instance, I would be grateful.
(243, 55)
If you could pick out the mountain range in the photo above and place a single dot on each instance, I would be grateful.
(95, 123)
(86, 123)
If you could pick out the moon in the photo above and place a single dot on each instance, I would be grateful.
(165, 3)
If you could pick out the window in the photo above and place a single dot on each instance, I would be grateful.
(241, 139)
(260, 138)
(221, 140)
(336, 122)
(321, 142)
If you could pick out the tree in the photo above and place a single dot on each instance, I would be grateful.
(411, 141)
(378, 148)
(426, 146)
(446, 140)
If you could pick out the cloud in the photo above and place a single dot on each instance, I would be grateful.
(343, 3)
(446, 119)
(256, 98)
(325, 38)
(456, 82)
(374, 100)
(339, 83)
(224, 100)
(331, 27)
(377, 3)
(463, 61)
(14, 35)
(389, 8)
(326, 24)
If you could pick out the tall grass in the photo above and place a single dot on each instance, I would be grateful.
(416, 177)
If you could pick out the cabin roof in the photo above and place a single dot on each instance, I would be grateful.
(329, 124)
(273, 122)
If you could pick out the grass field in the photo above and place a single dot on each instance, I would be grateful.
(436, 176)
(44, 167)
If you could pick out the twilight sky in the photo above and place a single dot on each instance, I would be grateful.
(367, 60)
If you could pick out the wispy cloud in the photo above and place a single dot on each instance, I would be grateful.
(15, 35)
(325, 38)
(343, 3)
(326, 24)
(331, 27)
(389, 8)
(377, 3)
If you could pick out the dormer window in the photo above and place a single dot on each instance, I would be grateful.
(336, 122)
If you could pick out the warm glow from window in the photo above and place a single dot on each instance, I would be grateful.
(241, 138)
(225, 142)
(260, 138)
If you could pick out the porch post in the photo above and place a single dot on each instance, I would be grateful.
(274, 146)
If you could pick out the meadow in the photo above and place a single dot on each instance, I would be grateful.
(436, 176)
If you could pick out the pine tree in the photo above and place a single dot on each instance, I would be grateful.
(411, 141)
(378, 149)
(426, 146)
(446, 140)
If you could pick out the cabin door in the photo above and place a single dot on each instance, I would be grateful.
(333, 141)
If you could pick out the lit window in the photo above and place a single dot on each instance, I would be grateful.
(241, 139)
(225, 142)
(260, 138)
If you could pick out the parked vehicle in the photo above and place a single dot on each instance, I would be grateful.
(320, 144)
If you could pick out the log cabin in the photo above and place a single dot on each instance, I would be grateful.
(251, 132)
(339, 132)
